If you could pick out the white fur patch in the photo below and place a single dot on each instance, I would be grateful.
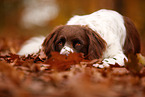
(32, 46)
(66, 50)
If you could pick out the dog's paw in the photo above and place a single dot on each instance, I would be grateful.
(102, 65)
(109, 62)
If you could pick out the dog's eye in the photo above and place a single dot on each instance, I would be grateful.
(60, 43)
(76, 44)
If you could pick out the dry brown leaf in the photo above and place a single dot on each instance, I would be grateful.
(141, 58)
(133, 65)
(62, 62)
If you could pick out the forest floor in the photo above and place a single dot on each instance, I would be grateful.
(66, 76)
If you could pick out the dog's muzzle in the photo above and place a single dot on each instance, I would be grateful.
(66, 50)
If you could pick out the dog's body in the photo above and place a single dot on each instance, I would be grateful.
(103, 34)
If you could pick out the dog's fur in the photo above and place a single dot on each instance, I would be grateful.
(103, 34)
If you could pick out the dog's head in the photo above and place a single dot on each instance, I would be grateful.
(74, 38)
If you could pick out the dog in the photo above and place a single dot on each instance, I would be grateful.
(103, 34)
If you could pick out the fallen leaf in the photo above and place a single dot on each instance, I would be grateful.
(141, 58)
(133, 65)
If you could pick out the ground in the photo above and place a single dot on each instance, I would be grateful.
(66, 76)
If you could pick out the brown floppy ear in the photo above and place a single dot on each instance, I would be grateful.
(96, 44)
(132, 42)
(48, 45)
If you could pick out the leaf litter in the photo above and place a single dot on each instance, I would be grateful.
(67, 76)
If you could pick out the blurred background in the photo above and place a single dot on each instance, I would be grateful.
(26, 18)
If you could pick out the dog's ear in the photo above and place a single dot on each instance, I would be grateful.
(132, 42)
(48, 45)
(96, 44)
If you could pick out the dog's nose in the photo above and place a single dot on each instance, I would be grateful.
(66, 50)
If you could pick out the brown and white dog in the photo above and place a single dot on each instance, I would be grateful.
(103, 34)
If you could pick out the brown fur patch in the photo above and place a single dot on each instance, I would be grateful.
(132, 42)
